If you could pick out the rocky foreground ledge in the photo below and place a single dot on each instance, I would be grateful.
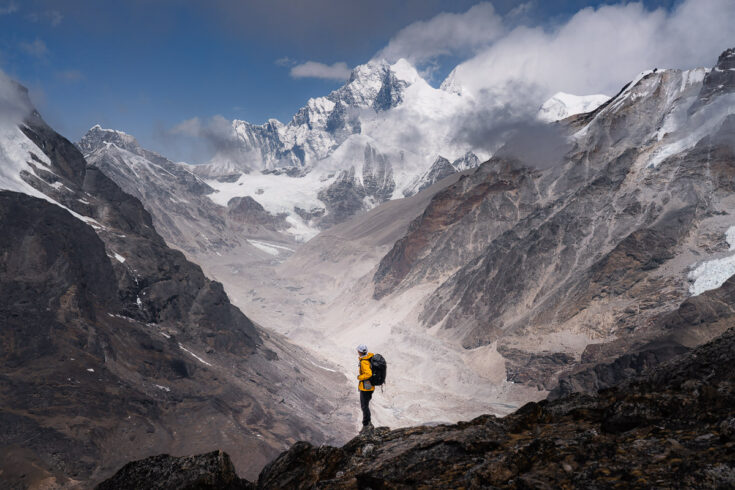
(673, 428)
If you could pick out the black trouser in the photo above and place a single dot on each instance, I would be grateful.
(365, 397)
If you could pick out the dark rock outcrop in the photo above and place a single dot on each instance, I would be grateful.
(211, 471)
(604, 375)
(671, 428)
(114, 347)
(541, 368)
(248, 211)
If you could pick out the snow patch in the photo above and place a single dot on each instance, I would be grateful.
(119, 258)
(323, 367)
(268, 247)
(711, 274)
(562, 105)
(194, 355)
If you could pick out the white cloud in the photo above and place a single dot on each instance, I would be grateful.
(216, 131)
(70, 75)
(599, 50)
(513, 70)
(10, 8)
(14, 101)
(314, 69)
(285, 61)
(35, 48)
(444, 34)
(53, 17)
(189, 127)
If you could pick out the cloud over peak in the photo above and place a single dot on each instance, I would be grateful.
(599, 49)
(314, 69)
(445, 34)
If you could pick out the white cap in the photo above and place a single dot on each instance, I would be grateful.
(362, 349)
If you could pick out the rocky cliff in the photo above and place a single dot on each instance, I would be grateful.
(179, 201)
(113, 346)
(596, 241)
(673, 427)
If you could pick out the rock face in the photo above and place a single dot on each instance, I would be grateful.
(440, 169)
(669, 428)
(598, 242)
(114, 347)
(248, 211)
(349, 194)
(211, 471)
(177, 199)
(673, 427)
(315, 130)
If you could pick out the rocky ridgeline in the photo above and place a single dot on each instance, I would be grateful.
(672, 428)
(114, 346)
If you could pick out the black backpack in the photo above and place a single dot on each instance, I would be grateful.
(379, 367)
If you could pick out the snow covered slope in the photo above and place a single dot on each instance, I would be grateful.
(179, 201)
(340, 155)
(562, 105)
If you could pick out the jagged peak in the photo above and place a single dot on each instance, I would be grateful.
(726, 60)
(562, 105)
(451, 85)
(97, 137)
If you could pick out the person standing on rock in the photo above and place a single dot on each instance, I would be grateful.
(364, 386)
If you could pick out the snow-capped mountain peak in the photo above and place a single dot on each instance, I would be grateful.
(97, 136)
(562, 105)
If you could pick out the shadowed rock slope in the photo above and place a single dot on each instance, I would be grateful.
(115, 347)
(672, 428)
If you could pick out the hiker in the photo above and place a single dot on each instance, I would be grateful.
(364, 385)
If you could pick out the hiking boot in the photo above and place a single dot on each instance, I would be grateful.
(366, 429)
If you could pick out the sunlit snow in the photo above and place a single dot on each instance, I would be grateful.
(563, 105)
(713, 273)
(265, 247)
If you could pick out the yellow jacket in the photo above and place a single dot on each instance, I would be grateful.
(365, 372)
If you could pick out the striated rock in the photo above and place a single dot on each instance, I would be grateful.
(498, 189)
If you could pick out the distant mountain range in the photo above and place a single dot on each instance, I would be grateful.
(383, 135)
(113, 345)
(593, 244)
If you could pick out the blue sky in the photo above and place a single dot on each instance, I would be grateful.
(144, 66)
